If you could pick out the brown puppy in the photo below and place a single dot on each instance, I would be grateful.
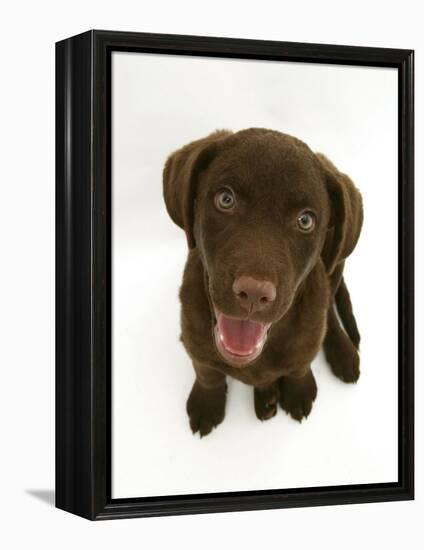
(269, 225)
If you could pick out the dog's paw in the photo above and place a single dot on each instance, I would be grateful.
(343, 359)
(297, 395)
(266, 402)
(206, 408)
(347, 369)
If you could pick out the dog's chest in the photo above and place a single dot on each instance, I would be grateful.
(275, 361)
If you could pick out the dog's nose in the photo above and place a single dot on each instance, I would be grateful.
(252, 294)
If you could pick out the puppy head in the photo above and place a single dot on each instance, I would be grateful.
(262, 209)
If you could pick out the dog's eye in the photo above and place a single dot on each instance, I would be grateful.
(306, 221)
(224, 199)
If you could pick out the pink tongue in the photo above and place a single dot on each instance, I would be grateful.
(238, 336)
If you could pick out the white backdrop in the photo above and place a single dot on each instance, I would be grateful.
(27, 274)
(159, 103)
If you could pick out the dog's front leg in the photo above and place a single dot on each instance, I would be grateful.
(206, 402)
(297, 393)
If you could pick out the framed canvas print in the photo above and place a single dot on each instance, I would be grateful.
(234, 254)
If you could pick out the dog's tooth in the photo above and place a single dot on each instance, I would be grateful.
(260, 343)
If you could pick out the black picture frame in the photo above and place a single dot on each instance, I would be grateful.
(83, 274)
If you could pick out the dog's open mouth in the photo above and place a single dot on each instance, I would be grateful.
(239, 341)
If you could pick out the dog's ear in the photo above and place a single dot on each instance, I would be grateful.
(180, 177)
(346, 215)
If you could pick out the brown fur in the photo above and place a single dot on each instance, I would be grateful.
(274, 177)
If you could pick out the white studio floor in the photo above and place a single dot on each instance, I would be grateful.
(351, 434)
